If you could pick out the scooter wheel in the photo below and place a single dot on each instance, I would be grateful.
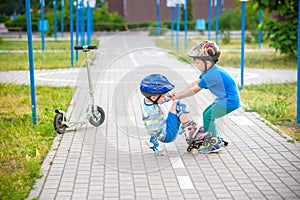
(59, 127)
(97, 118)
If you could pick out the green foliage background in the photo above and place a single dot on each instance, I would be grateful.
(282, 31)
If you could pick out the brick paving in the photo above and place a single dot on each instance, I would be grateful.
(112, 162)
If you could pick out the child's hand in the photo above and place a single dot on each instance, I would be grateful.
(173, 96)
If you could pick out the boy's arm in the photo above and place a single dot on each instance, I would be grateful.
(189, 91)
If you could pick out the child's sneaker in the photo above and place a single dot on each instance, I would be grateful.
(211, 149)
(147, 141)
(152, 143)
(159, 152)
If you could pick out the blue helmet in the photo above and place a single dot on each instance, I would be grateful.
(155, 84)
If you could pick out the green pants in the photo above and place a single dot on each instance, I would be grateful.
(211, 113)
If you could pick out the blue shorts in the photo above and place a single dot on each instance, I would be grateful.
(173, 124)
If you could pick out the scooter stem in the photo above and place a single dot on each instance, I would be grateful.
(91, 89)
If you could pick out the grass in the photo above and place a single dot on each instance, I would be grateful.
(276, 103)
(37, 45)
(258, 60)
(42, 60)
(24, 145)
(263, 60)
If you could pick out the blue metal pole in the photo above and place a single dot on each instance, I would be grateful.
(243, 43)
(42, 25)
(185, 23)
(298, 71)
(221, 13)
(209, 17)
(92, 21)
(259, 30)
(82, 25)
(221, 7)
(178, 25)
(71, 33)
(172, 26)
(158, 17)
(55, 20)
(62, 6)
(88, 21)
(217, 22)
(77, 27)
(31, 63)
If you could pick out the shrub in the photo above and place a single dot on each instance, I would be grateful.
(3, 18)
(226, 37)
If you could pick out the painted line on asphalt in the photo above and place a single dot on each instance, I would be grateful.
(185, 182)
(177, 162)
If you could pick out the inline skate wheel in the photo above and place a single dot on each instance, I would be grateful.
(214, 141)
(206, 142)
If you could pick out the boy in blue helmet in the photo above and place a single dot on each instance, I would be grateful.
(218, 82)
(155, 88)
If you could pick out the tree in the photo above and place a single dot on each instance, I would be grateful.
(282, 31)
(9, 7)
(190, 11)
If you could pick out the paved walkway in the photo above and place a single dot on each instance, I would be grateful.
(112, 162)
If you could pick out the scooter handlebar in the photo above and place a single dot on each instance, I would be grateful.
(85, 47)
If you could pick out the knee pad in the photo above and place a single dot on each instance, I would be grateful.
(181, 108)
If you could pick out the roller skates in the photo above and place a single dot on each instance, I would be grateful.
(200, 138)
(196, 137)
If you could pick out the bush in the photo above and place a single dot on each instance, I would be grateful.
(103, 21)
(248, 39)
(21, 22)
(226, 37)
(153, 29)
(107, 26)
(230, 20)
(3, 18)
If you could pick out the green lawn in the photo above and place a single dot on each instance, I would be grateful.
(276, 103)
(264, 60)
(37, 45)
(45, 60)
(42, 60)
(24, 145)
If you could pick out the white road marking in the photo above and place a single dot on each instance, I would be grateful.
(185, 182)
(177, 162)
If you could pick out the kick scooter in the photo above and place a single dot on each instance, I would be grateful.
(94, 113)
